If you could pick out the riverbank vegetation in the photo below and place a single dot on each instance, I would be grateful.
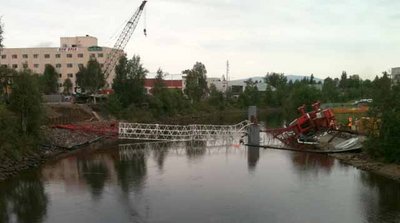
(385, 143)
(20, 113)
(132, 102)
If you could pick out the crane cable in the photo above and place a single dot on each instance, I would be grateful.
(145, 22)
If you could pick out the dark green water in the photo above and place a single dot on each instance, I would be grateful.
(197, 183)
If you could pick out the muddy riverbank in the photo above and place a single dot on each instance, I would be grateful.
(11, 166)
(364, 162)
(56, 143)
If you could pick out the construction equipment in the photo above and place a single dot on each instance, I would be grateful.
(123, 39)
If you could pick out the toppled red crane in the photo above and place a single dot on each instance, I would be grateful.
(304, 127)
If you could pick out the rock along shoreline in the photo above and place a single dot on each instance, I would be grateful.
(363, 162)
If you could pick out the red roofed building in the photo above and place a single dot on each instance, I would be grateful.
(170, 84)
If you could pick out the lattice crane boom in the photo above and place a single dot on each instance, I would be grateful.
(122, 41)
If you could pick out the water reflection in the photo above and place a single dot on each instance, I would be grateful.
(220, 188)
(381, 199)
(160, 155)
(132, 172)
(312, 163)
(253, 155)
(196, 149)
(95, 172)
(23, 199)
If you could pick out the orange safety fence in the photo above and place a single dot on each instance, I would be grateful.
(349, 110)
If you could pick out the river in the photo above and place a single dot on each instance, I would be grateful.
(201, 182)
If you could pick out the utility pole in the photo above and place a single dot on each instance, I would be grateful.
(227, 75)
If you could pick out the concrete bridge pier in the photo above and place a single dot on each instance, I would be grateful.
(253, 131)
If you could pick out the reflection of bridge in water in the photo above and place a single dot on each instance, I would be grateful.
(180, 133)
(222, 145)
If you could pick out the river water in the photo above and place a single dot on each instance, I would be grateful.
(198, 182)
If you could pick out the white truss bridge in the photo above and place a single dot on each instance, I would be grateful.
(178, 133)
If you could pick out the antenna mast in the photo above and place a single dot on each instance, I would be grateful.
(227, 75)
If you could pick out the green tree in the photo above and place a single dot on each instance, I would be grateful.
(25, 102)
(276, 80)
(343, 80)
(279, 82)
(196, 82)
(270, 97)
(90, 78)
(67, 86)
(8, 130)
(312, 80)
(250, 95)
(216, 98)
(49, 80)
(5, 80)
(301, 93)
(128, 83)
(386, 108)
(159, 84)
(381, 91)
(330, 91)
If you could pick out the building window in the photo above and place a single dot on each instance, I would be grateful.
(100, 55)
(4, 65)
(93, 55)
(25, 56)
(69, 65)
(80, 66)
(58, 65)
(47, 65)
(14, 56)
(60, 84)
(69, 55)
(80, 55)
(36, 65)
(25, 65)
(15, 66)
(3, 56)
(47, 56)
(70, 75)
(35, 55)
(60, 75)
(101, 65)
(58, 55)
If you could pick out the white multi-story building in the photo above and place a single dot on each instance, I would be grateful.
(396, 74)
(220, 84)
(72, 53)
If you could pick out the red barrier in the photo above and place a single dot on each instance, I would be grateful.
(109, 129)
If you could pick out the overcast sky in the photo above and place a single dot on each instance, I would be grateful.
(323, 37)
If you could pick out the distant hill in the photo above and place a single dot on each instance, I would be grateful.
(290, 77)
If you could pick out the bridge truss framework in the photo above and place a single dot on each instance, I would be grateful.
(178, 133)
